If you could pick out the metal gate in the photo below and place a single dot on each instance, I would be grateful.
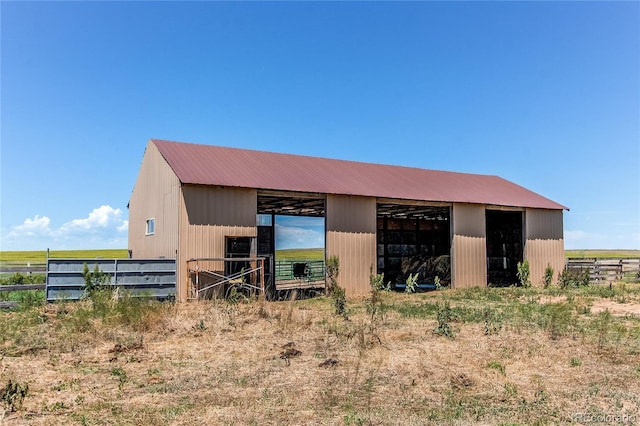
(154, 278)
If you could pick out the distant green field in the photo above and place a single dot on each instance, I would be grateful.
(300, 254)
(41, 255)
(601, 254)
(310, 254)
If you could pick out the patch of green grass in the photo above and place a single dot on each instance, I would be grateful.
(497, 365)
(510, 390)
(424, 310)
(26, 299)
(607, 329)
(558, 319)
(301, 254)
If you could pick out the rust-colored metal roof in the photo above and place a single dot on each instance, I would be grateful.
(216, 165)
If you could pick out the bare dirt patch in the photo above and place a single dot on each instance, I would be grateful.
(619, 309)
(628, 308)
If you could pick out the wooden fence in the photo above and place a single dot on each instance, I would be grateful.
(607, 270)
(23, 269)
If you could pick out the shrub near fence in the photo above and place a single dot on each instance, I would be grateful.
(21, 289)
(607, 270)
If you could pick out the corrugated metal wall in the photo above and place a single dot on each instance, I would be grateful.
(468, 246)
(351, 235)
(209, 214)
(544, 242)
(156, 195)
(195, 219)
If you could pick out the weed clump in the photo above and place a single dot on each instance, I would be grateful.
(571, 278)
(444, 316)
(524, 274)
(411, 283)
(13, 394)
(332, 270)
(95, 281)
(548, 276)
(336, 292)
(340, 302)
(437, 282)
(492, 321)
(559, 319)
(374, 303)
(121, 375)
(498, 366)
(377, 281)
(607, 331)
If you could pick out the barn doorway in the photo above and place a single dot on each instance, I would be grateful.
(291, 234)
(414, 239)
(504, 246)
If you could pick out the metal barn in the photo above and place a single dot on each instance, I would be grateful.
(212, 209)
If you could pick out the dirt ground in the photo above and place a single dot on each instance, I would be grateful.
(297, 362)
(631, 308)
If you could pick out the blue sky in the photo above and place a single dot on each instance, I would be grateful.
(299, 232)
(545, 94)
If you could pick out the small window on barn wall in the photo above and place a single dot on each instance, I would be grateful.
(151, 226)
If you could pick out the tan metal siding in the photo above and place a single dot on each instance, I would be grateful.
(351, 235)
(469, 246)
(208, 214)
(544, 243)
(156, 195)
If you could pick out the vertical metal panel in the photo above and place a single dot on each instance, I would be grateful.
(351, 235)
(468, 246)
(544, 224)
(143, 277)
(208, 214)
(156, 195)
(544, 243)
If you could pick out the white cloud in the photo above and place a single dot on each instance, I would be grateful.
(124, 227)
(295, 237)
(39, 225)
(104, 227)
(102, 217)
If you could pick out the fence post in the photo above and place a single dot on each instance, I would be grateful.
(620, 273)
(46, 278)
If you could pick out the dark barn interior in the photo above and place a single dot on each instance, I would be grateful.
(414, 239)
(504, 246)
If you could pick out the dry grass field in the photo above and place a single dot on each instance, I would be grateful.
(479, 356)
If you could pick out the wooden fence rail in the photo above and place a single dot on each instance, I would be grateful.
(28, 269)
(607, 270)
(21, 287)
